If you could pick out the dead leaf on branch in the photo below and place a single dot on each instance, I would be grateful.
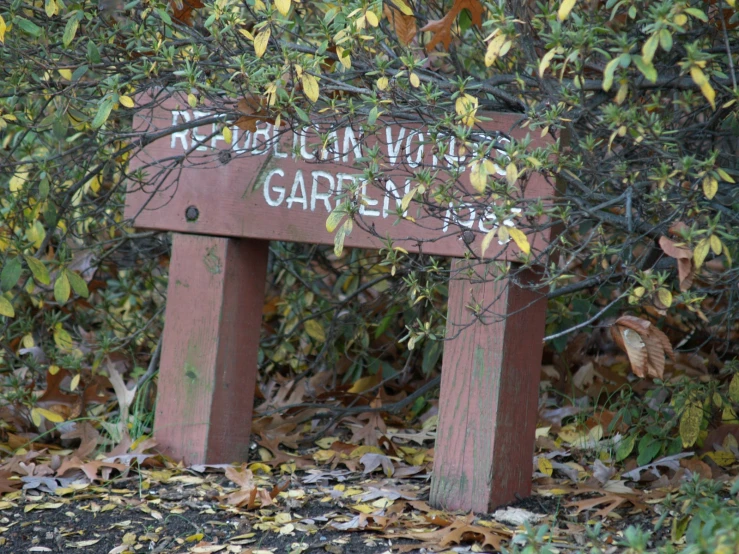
(182, 10)
(403, 25)
(684, 257)
(442, 28)
(644, 344)
(253, 109)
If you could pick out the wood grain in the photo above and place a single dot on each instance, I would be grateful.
(489, 394)
(209, 355)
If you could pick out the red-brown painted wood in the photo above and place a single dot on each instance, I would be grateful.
(276, 184)
(208, 368)
(489, 393)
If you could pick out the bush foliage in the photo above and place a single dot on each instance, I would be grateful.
(637, 98)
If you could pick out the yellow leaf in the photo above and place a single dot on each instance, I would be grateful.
(54, 369)
(545, 61)
(403, 7)
(690, 423)
(415, 80)
(363, 384)
(36, 417)
(407, 197)
(74, 383)
(315, 330)
(197, 537)
(564, 9)
(710, 187)
(725, 176)
(372, 18)
(227, 134)
(344, 57)
(486, 242)
(192, 100)
(66, 74)
(478, 176)
(716, 245)
(723, 459)
(48, 414)
(2, 29)
(699, 78)
(382, 83)
(260, 42)
(700, 252)
(283, 6)
(545, 466)
(126, 101)
(511, 174)
(63, 340)
(493, 50)
(665, 296)
(6, 308)
(709, 93)
(520, 238)
(310, 87)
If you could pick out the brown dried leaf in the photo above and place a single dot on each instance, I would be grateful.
(442, 28)
(684, 257)
(459, 531)
(254, 110)
(182, 10)
(403, 25)
(644, 344)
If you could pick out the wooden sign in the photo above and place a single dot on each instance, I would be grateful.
(227, 193)
(282, 184)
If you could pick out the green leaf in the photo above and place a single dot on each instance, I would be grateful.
(608, 73)
(70, 30)
(647, 69)
(93, 52)
(625, 447)
(37, 267)
(6, 308)
(61, 288)
(164, 15)
(10, 274)
(698, 14)
(103, 112)
(649, 447)
(28, 26)
(649, 48)
(78, 283)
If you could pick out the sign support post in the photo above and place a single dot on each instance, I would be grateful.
(269, 184)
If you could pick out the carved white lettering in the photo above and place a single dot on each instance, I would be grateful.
(367, 201)
(393, 149)
(197, 138)
(298, 186)
(351, 144)
(180, 135)
(325, 196)
(264, 144)
(269, 187)
(409, 149)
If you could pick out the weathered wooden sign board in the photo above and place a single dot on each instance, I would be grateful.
(227, 200)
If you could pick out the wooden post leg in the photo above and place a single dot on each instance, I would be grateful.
(208, 369)
(489, 394)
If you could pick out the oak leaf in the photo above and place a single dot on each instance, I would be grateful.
(442, 28)
(644, 344)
